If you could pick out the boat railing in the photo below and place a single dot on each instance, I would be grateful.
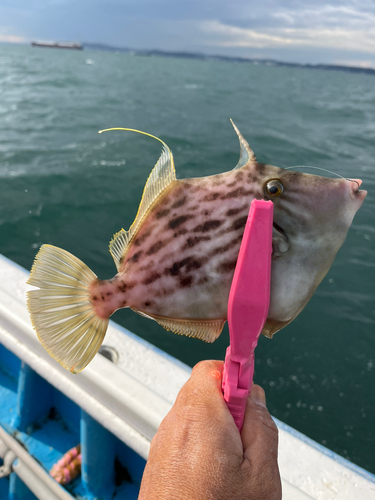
(128, 389)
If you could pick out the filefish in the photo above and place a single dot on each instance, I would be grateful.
(176, 262)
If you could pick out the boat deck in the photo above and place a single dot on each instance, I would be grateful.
(113, 409)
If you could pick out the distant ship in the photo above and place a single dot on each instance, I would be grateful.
(58, 45)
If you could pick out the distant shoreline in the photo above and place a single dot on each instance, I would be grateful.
(212, 57)
(262, 62)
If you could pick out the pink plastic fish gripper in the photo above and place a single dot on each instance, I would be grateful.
(248, 304)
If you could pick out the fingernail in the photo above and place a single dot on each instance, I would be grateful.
(258, 395)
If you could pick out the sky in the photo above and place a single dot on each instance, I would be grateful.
(311, 31)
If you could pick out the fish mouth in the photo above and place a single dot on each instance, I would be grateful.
(355, 191)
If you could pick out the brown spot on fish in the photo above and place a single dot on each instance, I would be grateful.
(178, 221)
(228, 246)
(194, 207)
(239, 175)
(190, 264)
(252, 178)
(142, 238)
(109, 294)
(151, 278)
(207, 226)
(212, 196)
(164, 292)
(156, 247)
(147, 266)
(203, 280)
(94, 297)
(162, 213)
(235, 211)
(236, 193)
(226, 267)
(122, 287)
(179, 203)
(186, 282)
(217, 179)
(135, 257)
(180, 232)
(239, 224)
(147, 303)
(191, 242)
(194, 188)
(261, 167)
(232, 184)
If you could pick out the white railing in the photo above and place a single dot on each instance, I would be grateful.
(17, 459)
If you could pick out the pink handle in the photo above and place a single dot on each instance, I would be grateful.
(248, 306)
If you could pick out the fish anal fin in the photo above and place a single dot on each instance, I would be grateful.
(207, 330)
(246, 153)
(161, 176)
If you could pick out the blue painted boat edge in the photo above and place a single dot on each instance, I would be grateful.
(325, 451)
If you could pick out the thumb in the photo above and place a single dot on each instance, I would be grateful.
(259, 432)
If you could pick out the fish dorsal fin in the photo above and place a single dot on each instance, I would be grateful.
(206, 330)
(246, 153)
(162, 175)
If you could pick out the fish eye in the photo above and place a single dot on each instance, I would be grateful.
(273, 188)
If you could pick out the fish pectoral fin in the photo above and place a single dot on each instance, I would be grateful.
(206, 330)
(246, 153)
(162, 175)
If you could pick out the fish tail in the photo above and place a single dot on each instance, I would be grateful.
(61, 311)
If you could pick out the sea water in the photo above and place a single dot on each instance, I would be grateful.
(62, 183)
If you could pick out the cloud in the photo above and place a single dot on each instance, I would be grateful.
(223, 35)
(328, 15)
(308, 31)
(12, 39)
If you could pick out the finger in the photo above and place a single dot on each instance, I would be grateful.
(200, 414)
(259, 432)
(258, 396)
(204, 382)
(211, 368)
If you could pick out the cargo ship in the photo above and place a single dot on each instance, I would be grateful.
(58, 45)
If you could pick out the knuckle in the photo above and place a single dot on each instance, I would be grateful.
(206, 365)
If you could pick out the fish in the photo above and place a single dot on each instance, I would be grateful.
(176, 262)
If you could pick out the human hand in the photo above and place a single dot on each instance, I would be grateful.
(198, 452)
